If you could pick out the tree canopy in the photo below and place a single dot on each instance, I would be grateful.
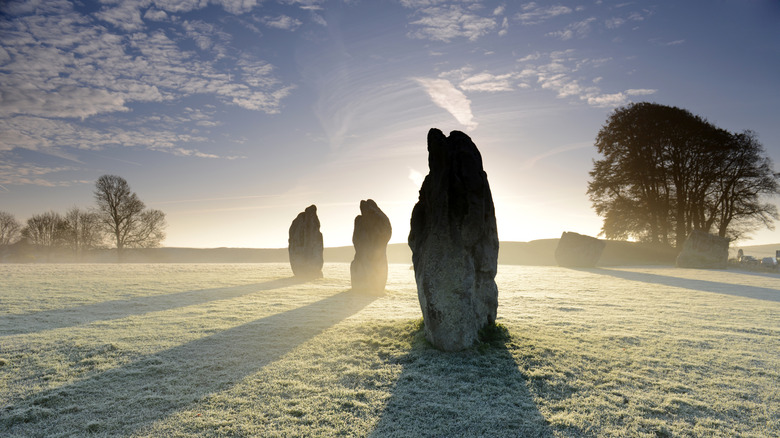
(665, 172)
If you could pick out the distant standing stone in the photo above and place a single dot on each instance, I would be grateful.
(305, 244)
(578, 251)
(370, 237)
(704, 251)
(454, 243)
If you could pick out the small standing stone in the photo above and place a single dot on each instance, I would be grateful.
(454, 243)
(704, 251)
(578, 251)
(305, 245)
(372, 232)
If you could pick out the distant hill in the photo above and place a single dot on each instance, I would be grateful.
(536, 253)
(757, 251)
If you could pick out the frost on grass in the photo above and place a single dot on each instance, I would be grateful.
(237, 350)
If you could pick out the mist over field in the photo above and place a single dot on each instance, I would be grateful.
(246, 350)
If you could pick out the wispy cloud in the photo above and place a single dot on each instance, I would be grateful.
(532, 57)
(446, 96)
(153, 14)
(207, 37)
(485, 81)
(421, 3)
(124, 15)
(20, 174)
(60, 65)
(305, 4)
(283, 22)
(488, 82)
(114, 69)
(235, 6)
(640, 92)
(614, 22)
(562, 73)
(532, 13)
(445, 23)
(635, 16)
(54, 136)
(317, 18)
(580, 29)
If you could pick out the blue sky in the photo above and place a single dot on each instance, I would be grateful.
(232, 116)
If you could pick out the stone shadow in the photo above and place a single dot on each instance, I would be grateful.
(122, 400)
(20, 324)
(758, 293)
(477, 392)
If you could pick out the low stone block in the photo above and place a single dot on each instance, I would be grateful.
(704, 251)
(578, 251)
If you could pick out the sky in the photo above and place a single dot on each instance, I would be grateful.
(232, 116)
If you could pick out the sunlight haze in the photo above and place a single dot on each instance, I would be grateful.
(233, 116)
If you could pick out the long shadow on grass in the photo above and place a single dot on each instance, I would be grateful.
(107, 310)
(122, 400)
(478, 392)
(758, 293)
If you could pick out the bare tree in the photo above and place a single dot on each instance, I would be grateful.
(45, 229)
(82, 230)
(125, 217)
(9, 228)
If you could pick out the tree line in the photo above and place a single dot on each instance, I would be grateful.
(118, 220)
(665, 172)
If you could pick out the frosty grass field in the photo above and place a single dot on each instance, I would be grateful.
(244, 350)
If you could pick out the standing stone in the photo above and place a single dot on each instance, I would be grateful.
(454, 244)
(370, 237)
(305, 244)
(705, 251)
(578, 251)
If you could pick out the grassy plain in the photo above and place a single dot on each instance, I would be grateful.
(245, 350)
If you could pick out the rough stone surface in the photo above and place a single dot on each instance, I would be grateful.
(578, 251)
(454, 243)
(704, 251)
(305, 244)
(372, 232)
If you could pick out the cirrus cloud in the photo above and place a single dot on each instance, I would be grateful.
(445, 23)
(563, 74)
(446, 96)
(61, 63)
(535, 14)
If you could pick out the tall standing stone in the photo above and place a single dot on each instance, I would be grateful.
(704, 250)
(370, 237)
(305, 244)
(454, 243)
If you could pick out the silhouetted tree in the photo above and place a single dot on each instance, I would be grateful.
(747, 175)
(125, 217)
(45, 230)
(665, 172)
(9, 228)
(82, 230)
